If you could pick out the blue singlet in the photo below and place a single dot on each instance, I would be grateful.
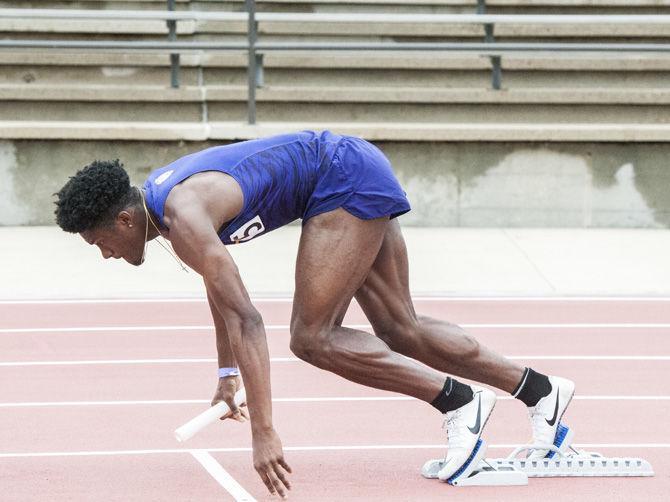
(290, 176)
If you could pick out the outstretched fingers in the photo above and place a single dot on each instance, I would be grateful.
(274, 477)
(283, 463)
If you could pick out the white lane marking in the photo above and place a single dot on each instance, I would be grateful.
(38, 404)
(567, 325)
(275, 327)
(91, 362)
(430, 446)
(95, 329)
(591, 358)
(222, 476)
(616, 398)
(287, 299)
(303, 448)
(87, 362)
(103, 301)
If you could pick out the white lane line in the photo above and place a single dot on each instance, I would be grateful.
(87, 362)
(304, 448)
(283, 327)
(590, 358)
(38, 404)
(97, 329)
(104, 301)
(430, 446)
(287, 299)
(222, 476)
(155, 402)
(567, 325)
(91, 362)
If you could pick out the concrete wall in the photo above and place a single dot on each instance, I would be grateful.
(535, 185)
(449, 184)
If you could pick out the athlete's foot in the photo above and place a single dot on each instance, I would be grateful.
(546, 414)
(464, 427)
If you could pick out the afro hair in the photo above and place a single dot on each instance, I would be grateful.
(92, 197)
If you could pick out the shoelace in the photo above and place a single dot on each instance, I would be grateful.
(539, 424)
(450, 423)
(535, 416)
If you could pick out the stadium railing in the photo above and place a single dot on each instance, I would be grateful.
(255, 48)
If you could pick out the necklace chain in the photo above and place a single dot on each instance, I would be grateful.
(165, 246)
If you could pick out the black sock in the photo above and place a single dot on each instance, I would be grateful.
(454, 395)
(532, 387)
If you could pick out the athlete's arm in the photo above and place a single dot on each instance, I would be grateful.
(226, 357)
(193, 222)
(226, 386)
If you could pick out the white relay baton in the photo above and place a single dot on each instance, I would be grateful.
(192, 427)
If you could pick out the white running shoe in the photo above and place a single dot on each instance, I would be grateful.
(545, 416)
(464, 426)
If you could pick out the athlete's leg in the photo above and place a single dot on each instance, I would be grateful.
(343, 312)
(386, 301)
(335, 258)
(335, 255)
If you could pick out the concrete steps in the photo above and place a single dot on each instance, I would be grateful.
(394, 60)
(338, 104)
(570, 140)
(338, 69)
(374, 131)
(318, 31)
(375, 88)
(346, 5)
(335, 94)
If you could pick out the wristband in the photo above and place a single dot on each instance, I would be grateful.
(226, 372)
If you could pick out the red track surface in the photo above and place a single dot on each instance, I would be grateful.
(64, 408)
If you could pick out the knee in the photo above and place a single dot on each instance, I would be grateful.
(301, 347)
(309, 344)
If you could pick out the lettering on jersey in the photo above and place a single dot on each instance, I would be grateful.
(249, 230)
(163, 177)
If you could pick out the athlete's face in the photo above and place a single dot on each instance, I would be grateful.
(123, 239)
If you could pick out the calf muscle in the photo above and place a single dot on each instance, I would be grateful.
(335, 256)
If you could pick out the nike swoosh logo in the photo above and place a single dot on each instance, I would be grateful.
(553, 419)
(475, 428)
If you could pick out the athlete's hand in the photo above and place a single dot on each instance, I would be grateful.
(269, 462)
(225, 391)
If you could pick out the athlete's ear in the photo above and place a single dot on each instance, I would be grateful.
(124, 218)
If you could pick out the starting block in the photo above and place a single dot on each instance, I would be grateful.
(561, 461)
(477, 471)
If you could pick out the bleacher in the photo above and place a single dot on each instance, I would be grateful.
(381, 95)
(570, 138)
